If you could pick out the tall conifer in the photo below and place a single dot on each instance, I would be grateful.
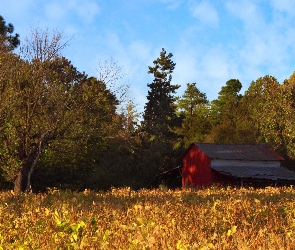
(159, 115)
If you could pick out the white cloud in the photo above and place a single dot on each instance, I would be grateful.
(135, 58)
(268, 37)
(87, 11)
(216, 68)
(248, 12)
(172, 4)
(215, 65)
(210, 68)
(58, 10)
(16, 8)
(205, 12)
(186, 69)
(140, 50)
(284, 6)
(252, 38)
(55, 11)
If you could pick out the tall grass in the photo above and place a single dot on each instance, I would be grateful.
(215, 218)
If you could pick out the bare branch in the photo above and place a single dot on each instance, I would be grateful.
(43, 46)
(111, 73)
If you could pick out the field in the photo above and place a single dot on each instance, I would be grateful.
(214, 218)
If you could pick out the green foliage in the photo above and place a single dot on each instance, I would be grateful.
(160, 117)
(47, 102)
(274, 113)
(223, 114)
(129, 117)
(194, 110)
(37, 98)
(191, 99)
(68, 125)
(264, 114)
(8, 41)
(228, 99)
(99, 164)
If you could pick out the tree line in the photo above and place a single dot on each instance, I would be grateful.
(62, 128)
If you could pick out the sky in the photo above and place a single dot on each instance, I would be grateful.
(212, 41)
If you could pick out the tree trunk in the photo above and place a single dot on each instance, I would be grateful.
(22, 182)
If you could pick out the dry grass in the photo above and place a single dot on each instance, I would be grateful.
(122, 219)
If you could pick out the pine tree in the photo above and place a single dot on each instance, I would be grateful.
(224, 111)
(228, 99)
(8, 42)
(159, 115)
(129, 117)
(193, 108)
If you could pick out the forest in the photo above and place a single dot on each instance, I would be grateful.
(62, 128)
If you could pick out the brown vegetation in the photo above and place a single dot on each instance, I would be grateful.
(215, 218)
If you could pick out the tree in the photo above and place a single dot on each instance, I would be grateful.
(227, 101)
(110, 72)
(191, 99)
(129, 117)
(43, 46)
(247, 112)
(223, 114)
(159, 116)
(8, 41)
(274, 113)
(36, 104)
(193, 108)
(76, 160)
(45, 100)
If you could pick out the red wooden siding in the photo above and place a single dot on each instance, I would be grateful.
(232, 163)
(196, 170)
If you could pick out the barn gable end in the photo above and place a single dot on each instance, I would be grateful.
(196, 169)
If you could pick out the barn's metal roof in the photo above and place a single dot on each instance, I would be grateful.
(250, 152)
(269, 173)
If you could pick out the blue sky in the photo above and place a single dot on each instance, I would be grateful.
(212, 40)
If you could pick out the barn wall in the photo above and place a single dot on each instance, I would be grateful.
(223, 179)
(196, 170)
(237, 163)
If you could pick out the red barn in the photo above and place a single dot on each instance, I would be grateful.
(207, 163)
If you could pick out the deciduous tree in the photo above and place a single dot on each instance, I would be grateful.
(274, 112)
(44, 100)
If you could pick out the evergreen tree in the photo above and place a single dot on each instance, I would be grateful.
(224, 112)
(227, 101)
(159, 115)
(8, 41)
(160, 118)
(129, 117)
(191, 99)
(193, 108)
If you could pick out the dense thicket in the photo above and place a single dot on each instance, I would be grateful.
(62, 128)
